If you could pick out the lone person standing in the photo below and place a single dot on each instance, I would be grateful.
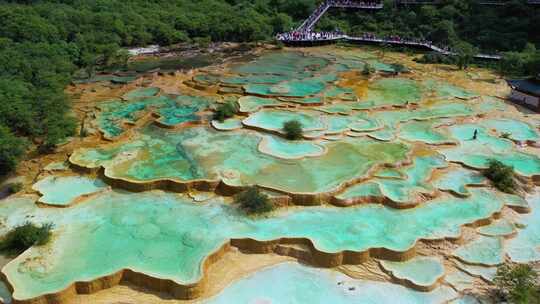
(475, 135)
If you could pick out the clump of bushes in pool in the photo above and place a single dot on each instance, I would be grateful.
(501, 175)
(368, 70)
(293, 130)
(226, 110)
(399, 68)
(517, 284)
(25, 236)
(252, 201)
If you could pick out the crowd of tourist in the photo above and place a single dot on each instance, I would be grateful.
(309, 36)
(304, 33)
(352, 3)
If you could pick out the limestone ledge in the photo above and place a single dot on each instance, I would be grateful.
(411, 284)
(222, 187)
(150, 117)
(302, 199)
(177, 290)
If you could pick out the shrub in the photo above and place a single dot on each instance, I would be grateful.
(203, 42)
(293, 129)
(226, 110)
(25, 236)
(15, 187)
(437, 58)
(252, 201)
(501, 175)
(517, 283)
(399, 68)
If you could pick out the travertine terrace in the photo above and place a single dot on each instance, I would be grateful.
(387, 174)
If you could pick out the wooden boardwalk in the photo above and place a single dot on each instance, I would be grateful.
(409, 43)
(303, 35)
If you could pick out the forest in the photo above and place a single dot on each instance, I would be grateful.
(44, 42)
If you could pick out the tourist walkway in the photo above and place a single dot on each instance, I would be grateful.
(304, 33)
(329, 37)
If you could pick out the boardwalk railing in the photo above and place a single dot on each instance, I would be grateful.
(481, 2)
(416, 1)
(310, 22)
(304, 34)
(312, 37)
(493, 2)
(314, 17)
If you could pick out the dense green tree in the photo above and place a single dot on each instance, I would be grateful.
(526, 62)
(281, 23)
(443, 32)
(512, 63)
(12, 149)
(465, 53)
(21, 25)
(491, 28)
